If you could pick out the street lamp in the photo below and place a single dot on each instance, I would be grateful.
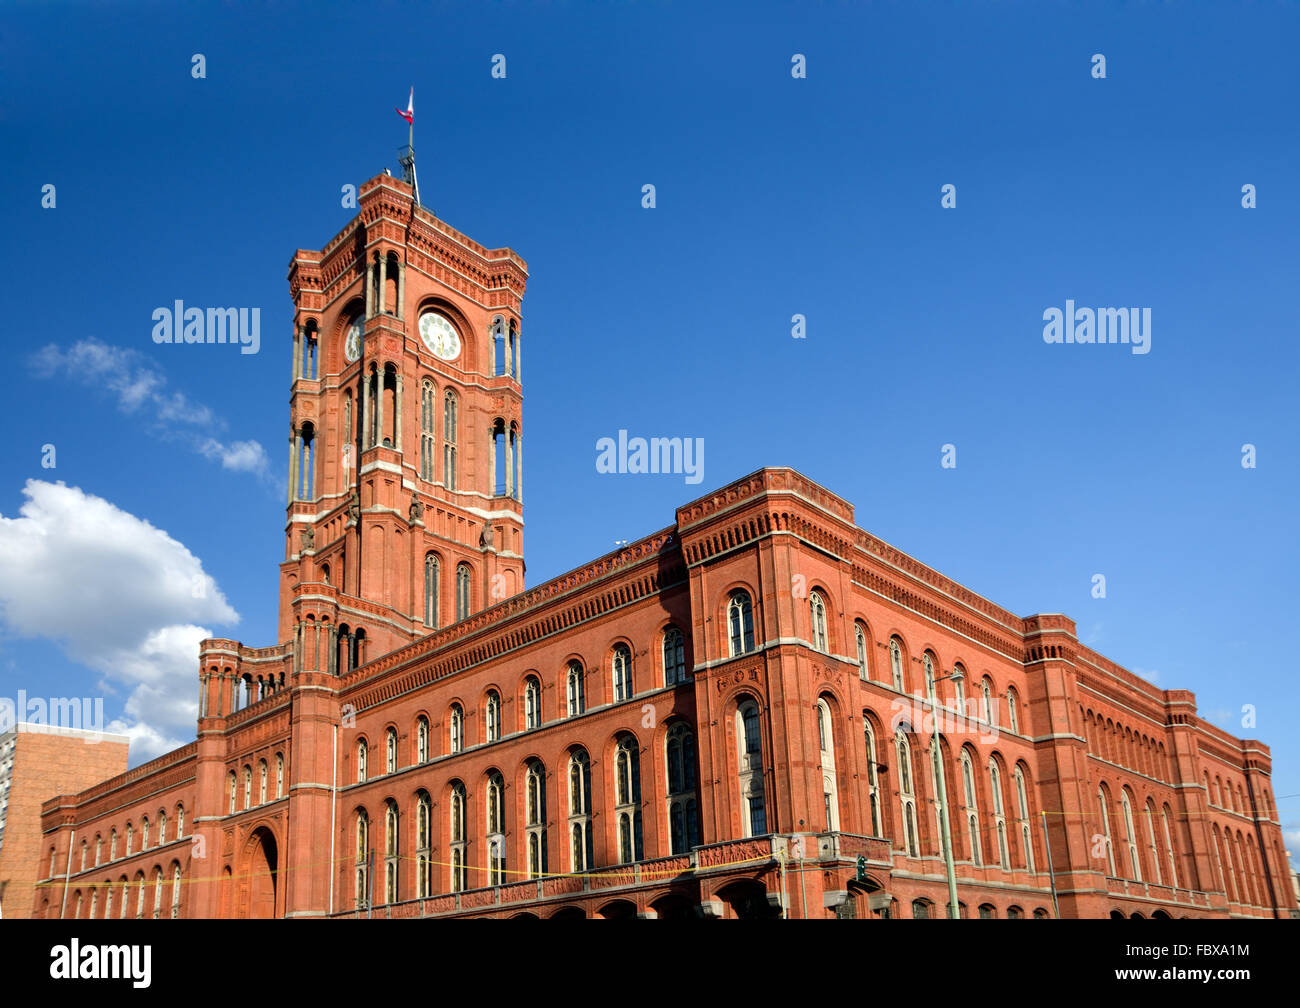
(945, 827)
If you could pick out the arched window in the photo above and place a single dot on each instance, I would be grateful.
(362, 859)
(627, 799)
(683, 813)
(1135, 865)
(231, 789)
(449, 420)
(622, 672)
(674, 657)
(279, 779)
(753, 802)
(830, 784)
(144, 833)
(580, 839)
(456, 728)
(860, 634)
(431, 584)
(423, 845)
(456, 823)
(535, 815)
(1013, 711)
(740, 623)
(921, 909)
(162, 826)
(427, 394)
(462, 591)
(176, 890)
(927, 666)
(999, 814)
(971, 807)
(248, 786)
(492, 716)
(873, 781)
(1105, 831)
(532, 703)
(422, 739)
(361, 760)
(1169, 847)
(1022, 810)
(577, 688)
(896, 664)
(958, 681)
(906, 795)
(986, 694)
(99, 850)
(85, 853)
(390, 852)
(390, 751)
(1152, 851)
(817, 605)
(263, 779)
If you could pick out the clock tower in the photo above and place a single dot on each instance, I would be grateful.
(405, 441)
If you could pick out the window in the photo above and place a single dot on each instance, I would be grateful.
(1040, 914)
(496, 830)
(157, 893)
(1130, 837)
(362, 859)
(986, 692)
(423, 845)
(390, 852)
(580, 839)
(422, 739)
(818, 609)
(622, 670)
(958, 681)
(921, 909)
(740, 623)
(456, 821)
(456, 728)
(830, 786)
(1013, 711)
(1105, 831)
(988, 911)
(492, 716)
(361, 760)
(749, 736)
(427, 394)
(971, 807)
(449, 440)
(927, 665)
(390, 750)
(576, 682)
(999, 814)
(99, 850)
(462, 591)
(1169, 847)
(532, 703)
(431, 583)
(535, 816)
(248, 786)
(896, 664)
(1153, 856)
(683, 812)
(263, 778)
(1015, 913)
(176, 891)
(674, 657)
(85, 853)
(873, 781)
(860, 633)
(231, 787)
(130, 841)
(180, 821)
(627, 799)
(1022, 808)
(906, 796)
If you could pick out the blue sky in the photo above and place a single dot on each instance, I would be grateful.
(775, 196)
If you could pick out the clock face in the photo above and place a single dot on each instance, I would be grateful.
(352, 342)
(439, 336)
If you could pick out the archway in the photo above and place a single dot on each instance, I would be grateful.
(748, 900)
(258, 887)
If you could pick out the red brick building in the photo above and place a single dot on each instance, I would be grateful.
(721, 719)
(36, 761)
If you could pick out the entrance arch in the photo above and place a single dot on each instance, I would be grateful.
(258, 889)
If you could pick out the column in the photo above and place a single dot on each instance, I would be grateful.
(519, 461)
(365, 411)
(334, 649)
(508, 443)
(383, 282)
(297, 352)
(316, 664)
(519, 356)
(293, 465)
(492, 462)
(400, 307)
(370, 291)
(203, 694)
(379, 405)
(397, 420)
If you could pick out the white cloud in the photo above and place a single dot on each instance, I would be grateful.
(118, 596)
(139, 388)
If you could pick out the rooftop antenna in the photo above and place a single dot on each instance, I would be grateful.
(406, 155)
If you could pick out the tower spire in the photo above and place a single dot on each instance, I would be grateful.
(406, 155)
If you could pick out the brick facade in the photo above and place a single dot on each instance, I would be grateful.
(556, 752)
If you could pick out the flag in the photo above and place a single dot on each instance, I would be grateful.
(409, 114)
